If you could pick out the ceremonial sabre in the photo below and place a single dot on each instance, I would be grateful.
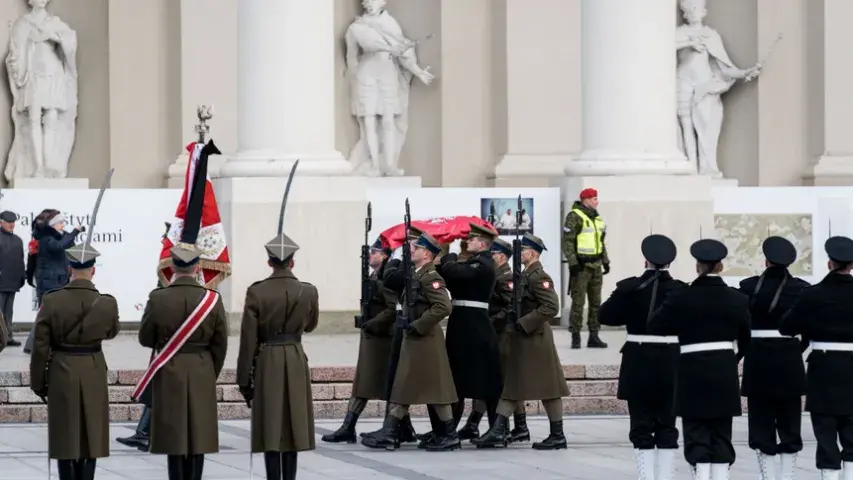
(92, 220)
(284, 200)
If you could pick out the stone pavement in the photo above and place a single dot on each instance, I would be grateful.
(598, 450)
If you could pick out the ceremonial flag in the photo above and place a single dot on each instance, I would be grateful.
(214, 262)
(444, 229)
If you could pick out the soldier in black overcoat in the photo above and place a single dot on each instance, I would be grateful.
(472, 343)
(823, 316)
(774, 377)
(708, 317)
(647, 373)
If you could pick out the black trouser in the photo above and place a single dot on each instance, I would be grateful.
(81, 469)
(828, 431)
(185, 467)
(770, 415)
(7, 302)
(652, 425)
(708, 440)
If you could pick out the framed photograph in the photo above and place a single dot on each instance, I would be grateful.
(504, 216)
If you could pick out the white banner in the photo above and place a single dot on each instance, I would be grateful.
(130, 225)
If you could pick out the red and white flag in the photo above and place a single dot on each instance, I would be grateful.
(214, 262)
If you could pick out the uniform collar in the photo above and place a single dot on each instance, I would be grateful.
(186, 280)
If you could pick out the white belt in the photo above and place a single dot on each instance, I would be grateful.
(399, 308)
(768, 334)
(832, 346)
(469, 303)
(707, 347)
(651, 339)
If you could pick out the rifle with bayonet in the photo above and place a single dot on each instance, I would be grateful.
(404, 320)
(517, 287)
(366, 293)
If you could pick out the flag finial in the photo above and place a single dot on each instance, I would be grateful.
(204, 113)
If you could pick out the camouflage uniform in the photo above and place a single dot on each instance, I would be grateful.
(587, 282)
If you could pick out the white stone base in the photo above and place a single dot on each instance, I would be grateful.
(270, 164)
(830, 171)
(614, 162)
(637, 205)
(516, 170)
(724, 182)
(324, 216)
(51, 183)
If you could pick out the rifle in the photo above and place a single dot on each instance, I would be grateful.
(517, 288)
(404, 320)
(365, 272)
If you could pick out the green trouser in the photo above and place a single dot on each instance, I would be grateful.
(553, 408)
(587, 283)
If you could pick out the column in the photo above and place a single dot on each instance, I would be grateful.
(629, 108)
(285, 84)
(831, 72)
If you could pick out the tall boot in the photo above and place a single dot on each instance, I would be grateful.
(576, 341)
(555, 441)
(448, 439)
(387, 438)
(787, 461)
(66, 469)
(344, 434)
(766, 466)
(492, 411)
(520, 433)
(645, 464)
(497, 436)
(407, 430)
(594, 342)
(78, 468)
(198, 466)
(189, 467)
(175, 466)
(88, 469)
(288, 465)
(273, 464)
(471, 429)
(457, 409)
(665, 463)
(702, 471)
(719, 471)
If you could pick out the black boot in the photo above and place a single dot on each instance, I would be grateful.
(288, 465)
(387, 438)
(576, 341)
(555, 441)
(496, 436)
(407, 430)
(594, 342)
(197, 462)
(87, 469)
(520, 433)
(447, 441)
(344, 434)
(66, 469)
(175, 466)
(273, 460)
(425, 439)
(140, 438)
(471, 430)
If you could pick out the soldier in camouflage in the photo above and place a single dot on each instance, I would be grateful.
(583, 247)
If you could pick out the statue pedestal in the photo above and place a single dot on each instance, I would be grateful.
(51, 183)
(324, 216)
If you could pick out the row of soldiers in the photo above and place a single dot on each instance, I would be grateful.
(488, 356)
(680, 360)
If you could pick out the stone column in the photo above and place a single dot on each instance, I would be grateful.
(629, 109)
(286, 76)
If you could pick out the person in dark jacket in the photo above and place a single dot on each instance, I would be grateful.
(649, 362)
(12, 271)
(52, 270)
(774, 377)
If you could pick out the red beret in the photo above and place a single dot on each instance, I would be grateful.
(588, 193)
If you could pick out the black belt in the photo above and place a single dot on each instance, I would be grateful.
(284, 339)
(194, 348)
(77, 349)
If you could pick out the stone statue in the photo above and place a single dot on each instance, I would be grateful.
(381, 62)
(705, 72)
(42, 69)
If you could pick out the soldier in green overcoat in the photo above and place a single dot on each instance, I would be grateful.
(68, 369)
(533, 368)
(272, 368)
(374, 349)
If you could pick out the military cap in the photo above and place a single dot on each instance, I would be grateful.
(482, 231)
(414, 233)
(81, 256)
(8, 216)
(708, 250)
(281, 248)
(185, 254)
(659, 250)
(428, 242)
(532, 241)
(502, 246)
(377, 247)
(839, 249)
(779, 251)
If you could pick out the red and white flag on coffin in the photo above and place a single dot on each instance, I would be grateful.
(214, 262)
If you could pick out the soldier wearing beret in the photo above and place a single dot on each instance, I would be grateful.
(708, 317)
(272, 368)
(374, 350)
(647, 373)
(533, 368)
(472, 344)
(583, 246)
(774, 377)
(68, 369)
(822, 315)
(423, 374)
